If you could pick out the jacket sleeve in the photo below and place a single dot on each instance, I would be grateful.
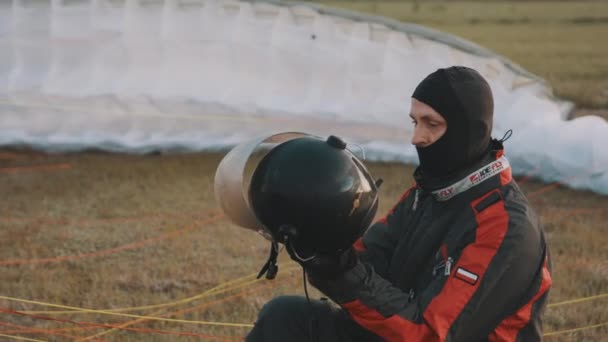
(487, 283)
(376, 246)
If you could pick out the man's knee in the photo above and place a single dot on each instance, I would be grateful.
(284, 308)
(283, 318)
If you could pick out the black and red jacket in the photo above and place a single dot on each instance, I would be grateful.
(467, 262)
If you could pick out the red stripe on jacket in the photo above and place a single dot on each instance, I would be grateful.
(392, 329)
(443, 310)
(509, 328)
(506, 175)
(493, 223)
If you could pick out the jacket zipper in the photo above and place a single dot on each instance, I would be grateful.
(446, 264)
(415, 205)
(448, 267)
(447, 260)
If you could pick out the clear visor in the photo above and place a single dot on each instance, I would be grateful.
(233, 177)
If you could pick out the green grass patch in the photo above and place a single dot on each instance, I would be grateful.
(561, 42)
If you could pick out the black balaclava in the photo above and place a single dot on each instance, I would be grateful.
(464, 99)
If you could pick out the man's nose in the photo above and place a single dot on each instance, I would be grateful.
(420, 138)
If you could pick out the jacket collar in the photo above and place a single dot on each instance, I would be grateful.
(483, 174)
(490, 172)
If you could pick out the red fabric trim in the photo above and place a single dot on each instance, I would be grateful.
(506, 175)
(358, 245)
(403, 197)
(447, 306)
(509, 328)
(392, 329)
(444, 252)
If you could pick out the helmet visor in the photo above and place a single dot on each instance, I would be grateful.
(233, 177)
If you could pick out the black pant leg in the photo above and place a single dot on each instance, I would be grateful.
(290, 318)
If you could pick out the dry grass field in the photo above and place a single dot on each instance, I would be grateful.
(133, 247)
(105, 231)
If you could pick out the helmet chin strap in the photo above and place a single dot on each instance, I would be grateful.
(289, 245)
(288, 234)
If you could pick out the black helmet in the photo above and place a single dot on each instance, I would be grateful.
(315, 192)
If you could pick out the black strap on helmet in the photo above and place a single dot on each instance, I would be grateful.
(271, 268)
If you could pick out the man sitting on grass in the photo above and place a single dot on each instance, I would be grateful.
(460, 257)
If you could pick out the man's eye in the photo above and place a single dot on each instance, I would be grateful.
(433, 124)
(414, 122)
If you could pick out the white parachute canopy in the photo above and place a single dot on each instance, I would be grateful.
(136, 76)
